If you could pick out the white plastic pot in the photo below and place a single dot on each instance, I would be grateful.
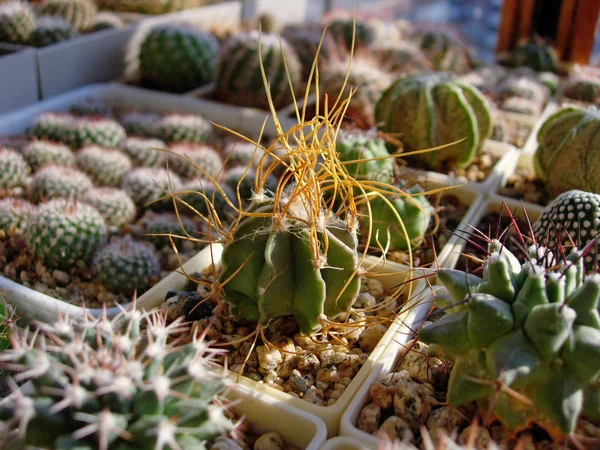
(19, 87)
(344, 443)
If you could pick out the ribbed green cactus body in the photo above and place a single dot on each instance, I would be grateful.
(567, 156)
(192, 161)
(59, 182)
(79, 13)
(50, 30)
(17, 22)
(276, 274)
(444, 51)
(147, 184)
(177, 58)
(113, 204)
(403, 57)
(14, 214)
(414, 211)
(145, 151)
(239, 79)
(191, 128)
(538, 56)
(342, 30)
(125, 265)
(525, 87)
(305, 41)
(535, 328)
(432, 110)
(365, 156)
(584, 87)
(41, 153)
(64, 232)
(13, 169)
(104, 166)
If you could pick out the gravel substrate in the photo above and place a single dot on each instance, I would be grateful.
(524, 185)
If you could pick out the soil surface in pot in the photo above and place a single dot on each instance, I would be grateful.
(511, 131)
(524, 185)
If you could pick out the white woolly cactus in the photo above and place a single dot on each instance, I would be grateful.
(147, 184)
(106, 384)
(41, 153)
(17, 22)
(13, 168)
(145, 151)
(14, 214)
(143, 124)
(59, 182)
(104, 166)
(191, 161)
(183, 128)
(113, 204)
(51, 30)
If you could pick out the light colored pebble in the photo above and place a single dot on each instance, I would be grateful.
(329, 374)
(269, 441)
(397, 429)
(298, 382)
(371, 337)
(410, 403)
(307, 361)
(61, 277)
(368, 418)
(268, 357)
(381, 395)
(445, 421)
(270, 377)
(375, 287)
(482, 441)
(420, 367)
(223, 443)
(364, 300)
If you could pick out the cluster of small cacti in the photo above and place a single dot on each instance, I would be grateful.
(113, 384)
(52, 21)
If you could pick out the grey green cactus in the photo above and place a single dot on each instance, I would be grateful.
(305, 39)
(194, 160)
(50, 30)
(255, 262)
(537, 55)
(402, 57)
(522, 105)
(100, 131)
(126, 266)
(64, 232)
(566, 158)
(13, 169)
(342, 30)
(146, 185)
(104, 166)
(17, 22)
(114, 205)
(59, 182)
(432, 110)
(177, 58)
(583, 86)
(532, 328)
(158, 227)
(191, 128)
(573, 216)
(525, 87)
(415, 213)
(79, 13)
(114, 384)
(57, 127)
(242, 153)
(145, 151)
(14, 214)
(445, 51)
(239, 79)
(365, 156)
(91, 106)
(41, 153)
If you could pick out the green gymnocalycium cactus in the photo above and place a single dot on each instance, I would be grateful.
(14, 214)
(566, 157)
(536, 54)
(113, 384)
(177, 58)
(414, 210)
(445, 51)
(260, 257)
(431, 110)
(365, 156)
(534, 328)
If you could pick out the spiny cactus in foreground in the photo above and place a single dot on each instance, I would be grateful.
(63, 233)
(41, 153)
(50, 30)
(113, 204)
(566, 158)
(17, 22)
(59, 182)
(145, 151)
(79, 13)
(533, 328)
(239, 79)
(191, 161)
(13, 168)
(14, 214)
(148, 184)
(104, 166)
(177, 58)
(191, 128)
(126, 266)
(113, 384)
(432, 110)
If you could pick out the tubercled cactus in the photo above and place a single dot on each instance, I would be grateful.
(14, 214)
(160, 229)
(113, 204)
(566, 158)
(365, 156)
(145, 151)
(104, 166)
(41, 153)
(146, 185)
(13, 168)
(59, 182)
(534, 328)
(114, 384)
(536, 54)
(190, 161)
(191, 128)
(17, 22)
(432, 110)
(79, 13)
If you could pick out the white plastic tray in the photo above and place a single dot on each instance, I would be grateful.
(345, 443)
(19, 75)
(531, 144)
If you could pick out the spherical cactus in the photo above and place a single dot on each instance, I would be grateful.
(364, 77)
(360, 151)
(241, 179)
(536, 55)
(177, 58)
(57, 127)
(191, 161)
(566, 158)
(106, 384)
(13, 169)
(104, 166)
(17, 22)
(432, 110)
(239, 79)
(148, 184)
(257, 288)
(145, 151)
(59, 182)
(414, 210)
(532, 329)
(342, 30)
(142, 124)
(242, 153)
(524, 87)
(158, 227)
(573, 216)
(41, 153)
(305, 41)
(550, 80)
(445, 51)
(64, 232)
(79, 13)
(114, 205)
(583, 86)
(15, 214)
(190, 128)
(522, 105)
(203, 197)
(99, 131)
(50, 30)
(106, 21)
(402, 57)
(125, 266)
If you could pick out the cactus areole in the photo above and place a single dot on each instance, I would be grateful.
(533, 328)
(284, 267)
